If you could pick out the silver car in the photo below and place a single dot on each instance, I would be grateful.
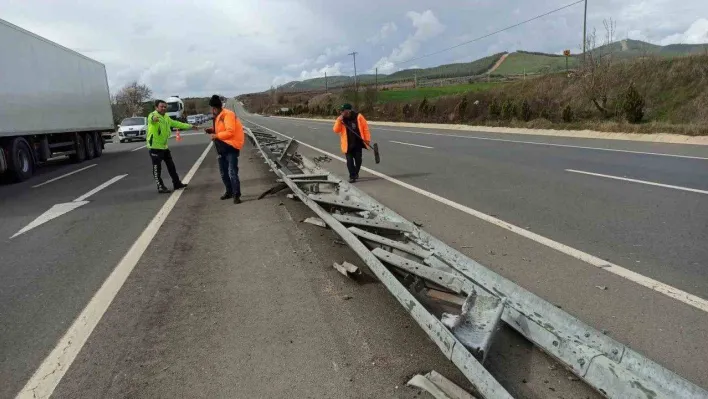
(132, 129)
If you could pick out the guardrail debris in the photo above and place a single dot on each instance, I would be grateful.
(418, 268)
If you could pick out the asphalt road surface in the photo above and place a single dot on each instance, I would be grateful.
(49, 273)
(572, 191)
(226, 301)
(656, 231)
(242, 301)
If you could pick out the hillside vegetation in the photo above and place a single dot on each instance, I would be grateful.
(521, 62)
(517, 63)
(646, 94)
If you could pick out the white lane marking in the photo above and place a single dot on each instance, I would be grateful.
(411, 144)
(64, 175)
(658, 286)
(139, 148)
(99, 188)
(52, 213)
(550, 144)
(61, 209)
(650, 183)
(46, 378)
(539, 143)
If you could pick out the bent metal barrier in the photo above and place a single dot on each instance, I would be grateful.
(418, 269)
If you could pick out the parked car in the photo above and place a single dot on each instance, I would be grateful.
(133, 129)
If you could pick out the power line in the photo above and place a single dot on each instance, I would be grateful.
(490, 34)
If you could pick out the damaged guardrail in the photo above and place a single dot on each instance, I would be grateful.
(415, 266)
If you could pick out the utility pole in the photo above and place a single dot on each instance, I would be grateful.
(353, 54)
(585, 28)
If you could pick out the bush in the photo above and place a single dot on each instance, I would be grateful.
(545, 114)
(423, 107)
(633, 105)
(407, 111)
(525, 110)
(567, 114)
(494, 109)
(508, 110)
(461, 108)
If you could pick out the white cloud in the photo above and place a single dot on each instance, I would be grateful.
(239, 46)
(330, 53)
(427, 26)
(227, 47)
(388, 29)
(331, 70)
(297, 66)
(697, 33)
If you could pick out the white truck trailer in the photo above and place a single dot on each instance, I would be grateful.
(53, 102)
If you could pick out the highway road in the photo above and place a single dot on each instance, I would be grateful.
(49, 273)
(629, 218)
(225, 301)
(230, 299)
(577, 196)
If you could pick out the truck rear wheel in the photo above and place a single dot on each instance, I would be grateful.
(90, 146)
(79, 154)
(20, 162)
(98, 144)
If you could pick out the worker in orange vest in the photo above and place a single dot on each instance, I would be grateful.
(354, 137)
(228, 138)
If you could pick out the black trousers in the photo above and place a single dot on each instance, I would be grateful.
(157, 156)
(354, 162)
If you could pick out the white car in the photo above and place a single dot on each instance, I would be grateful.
(132, 129)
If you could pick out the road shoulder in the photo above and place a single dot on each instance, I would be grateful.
(242, 301)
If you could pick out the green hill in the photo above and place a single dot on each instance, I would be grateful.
(522, 62)
(332, 81)
(473, 68)
(636, 48)
(516, 63)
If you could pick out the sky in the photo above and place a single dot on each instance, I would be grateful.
(198, 48)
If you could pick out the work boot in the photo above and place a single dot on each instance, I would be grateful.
(237, 200)
(226, 196)
(163, 190)
(352, 180)
(180, 186)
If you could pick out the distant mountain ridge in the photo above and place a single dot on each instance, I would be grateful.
(518, 62)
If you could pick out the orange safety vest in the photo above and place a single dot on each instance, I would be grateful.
(229, 129)
(341, 130)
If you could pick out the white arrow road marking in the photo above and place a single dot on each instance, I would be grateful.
(53, 213)
(66, 207)
(99, 188)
